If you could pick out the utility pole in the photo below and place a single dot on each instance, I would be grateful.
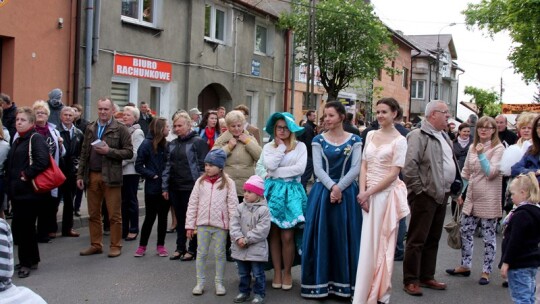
(439, 51)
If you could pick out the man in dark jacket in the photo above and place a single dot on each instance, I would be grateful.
(146, 117)
(8, 118)
(310, 131)
(506, 136)
(69, 163)
(106, 143)
(348, 126)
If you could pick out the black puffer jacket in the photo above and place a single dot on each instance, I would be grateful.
(185, 162)
(18, 162)
(150, 164)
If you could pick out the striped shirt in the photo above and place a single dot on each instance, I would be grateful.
(6, 255)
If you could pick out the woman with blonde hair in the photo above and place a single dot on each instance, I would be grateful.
(26, 203)
(184, 165)
(483, 181)
(285, 161)
(47, 226)
(130, 184)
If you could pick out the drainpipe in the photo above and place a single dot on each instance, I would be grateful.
(287, 54)
(410, 84)
(88, 58)
(293, 74)
(77, 52)
(97, 24)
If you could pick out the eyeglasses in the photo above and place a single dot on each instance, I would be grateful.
(485, 128)
(282, 128)
(443, 112)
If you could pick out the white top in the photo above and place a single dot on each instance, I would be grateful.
(289, 166)
(448, 166)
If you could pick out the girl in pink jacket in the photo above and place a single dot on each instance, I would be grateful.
(212, 202)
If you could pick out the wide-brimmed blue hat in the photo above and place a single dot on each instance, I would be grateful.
(289, 119)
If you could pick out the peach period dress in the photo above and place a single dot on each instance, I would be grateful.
(380, 225)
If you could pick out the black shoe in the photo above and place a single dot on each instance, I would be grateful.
(505, 284)
(33, 267)
(185, 258)
(177, 255)
(44, 240)
(458, 273)
(24, 272)
(128, 238)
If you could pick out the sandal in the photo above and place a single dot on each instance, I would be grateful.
(24, 272)
(188, 256)
(177, 255)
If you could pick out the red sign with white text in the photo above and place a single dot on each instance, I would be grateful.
(132, 66)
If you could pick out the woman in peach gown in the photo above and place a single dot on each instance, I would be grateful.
(383, 198)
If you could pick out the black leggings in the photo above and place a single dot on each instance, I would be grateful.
(156, 206)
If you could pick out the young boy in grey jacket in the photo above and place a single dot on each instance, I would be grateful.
(249, 228)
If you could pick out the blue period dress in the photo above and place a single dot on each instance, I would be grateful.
(331, 241)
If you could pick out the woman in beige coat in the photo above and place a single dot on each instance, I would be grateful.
(243, 150)
(484, 181)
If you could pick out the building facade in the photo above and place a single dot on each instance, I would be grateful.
(436, 51)
(185, 54)
(398, 84)
(37, 56)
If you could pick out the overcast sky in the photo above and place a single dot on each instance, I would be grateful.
(482, 58)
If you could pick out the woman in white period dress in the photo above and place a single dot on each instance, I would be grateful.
(383, 198)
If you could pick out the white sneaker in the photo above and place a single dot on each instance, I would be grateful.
(257, 300)
(198, 289)
(220, 289)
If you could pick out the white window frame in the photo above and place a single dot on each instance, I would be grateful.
(270, 33)
(405, 83)
(165, 98)
(253, 106)
(156, 16)
(133, 87)
(414, 83)
(226, 25)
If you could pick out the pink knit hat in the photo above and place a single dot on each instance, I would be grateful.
(255, 184)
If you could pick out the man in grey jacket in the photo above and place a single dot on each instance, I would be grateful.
(430, 169)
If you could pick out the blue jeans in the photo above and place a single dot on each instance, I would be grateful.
(522, 285)
(245, 268)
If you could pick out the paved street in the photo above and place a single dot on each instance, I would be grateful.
(65, 277)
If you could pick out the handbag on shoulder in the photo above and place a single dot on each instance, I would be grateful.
(50, 178)
(452, 227)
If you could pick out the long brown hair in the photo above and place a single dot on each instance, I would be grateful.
(487, 122)
(156, 129)
(535, 148)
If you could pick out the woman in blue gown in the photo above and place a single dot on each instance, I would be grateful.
(331, 241)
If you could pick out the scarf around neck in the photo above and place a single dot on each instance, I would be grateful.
(463, 142)
(210, 134)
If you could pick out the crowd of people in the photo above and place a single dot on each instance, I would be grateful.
(251, 204)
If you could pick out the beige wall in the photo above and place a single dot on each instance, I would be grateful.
(37, 55)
